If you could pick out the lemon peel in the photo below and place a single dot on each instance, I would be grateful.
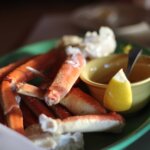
(118, 94)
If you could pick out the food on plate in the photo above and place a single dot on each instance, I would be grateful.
(67, 133)
(80, 103)
(65, 78)
(7, 69)
(118, 94)
(60, 111)
(60, 124)
(87, 123)
(37, 107)
(70, 141)
(68, 40)
(99, 44)
(77, 101)
(93, 44)
(10, 99)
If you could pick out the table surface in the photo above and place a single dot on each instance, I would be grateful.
(25, 24)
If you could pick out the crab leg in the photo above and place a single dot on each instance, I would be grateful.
(60, 111)
(11, 108)
(76, 101)
(21, 74)
(30, 90)
(80, 103)
(7, 69)
(65, 78)
(33, 91)
(87, 123)
(28, 117)
(37, 107)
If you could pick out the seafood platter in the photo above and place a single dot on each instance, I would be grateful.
(45, 101)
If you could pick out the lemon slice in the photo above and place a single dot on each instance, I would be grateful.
(118, 95)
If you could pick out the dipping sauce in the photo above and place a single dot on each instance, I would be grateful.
(98, 72)
(139, 73)
(103, 72)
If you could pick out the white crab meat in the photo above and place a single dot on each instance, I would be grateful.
(48, 141)
(99, 44)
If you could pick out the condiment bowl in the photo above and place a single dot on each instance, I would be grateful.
(97, 73)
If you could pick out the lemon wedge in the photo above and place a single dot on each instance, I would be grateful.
(118, 94)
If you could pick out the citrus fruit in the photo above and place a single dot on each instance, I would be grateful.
(118, 94)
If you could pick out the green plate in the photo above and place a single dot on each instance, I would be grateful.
(136, 126)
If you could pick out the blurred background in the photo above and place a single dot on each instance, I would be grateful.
(26, 21)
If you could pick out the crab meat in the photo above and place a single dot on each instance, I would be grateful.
(68, 141)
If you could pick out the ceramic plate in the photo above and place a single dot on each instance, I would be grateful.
(136, 126)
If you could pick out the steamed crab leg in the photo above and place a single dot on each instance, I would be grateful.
(65, 78)
(28, 117)
(37, 107)
(80, 103)
(31, 90)
(88, 123)
(60, 111)
(76, 101)
(7, 69)
(21, 74)
(34, 91)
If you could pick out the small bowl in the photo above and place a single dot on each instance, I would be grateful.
(97, 73)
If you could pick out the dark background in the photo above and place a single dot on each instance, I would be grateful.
(19, 17)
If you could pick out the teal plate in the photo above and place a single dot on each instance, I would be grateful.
(136, 126)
